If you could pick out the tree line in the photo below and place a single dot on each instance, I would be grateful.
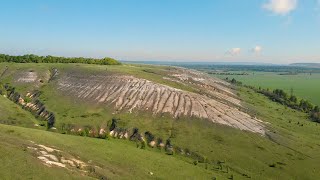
(292, 101)
(228, 73)
(142, 140)
(31, 58)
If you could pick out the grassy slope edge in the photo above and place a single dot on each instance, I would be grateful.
(119, 159)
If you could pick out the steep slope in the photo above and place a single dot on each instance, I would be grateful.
(210, 98)
(130, 93)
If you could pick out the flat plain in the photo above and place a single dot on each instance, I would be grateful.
(304, 85)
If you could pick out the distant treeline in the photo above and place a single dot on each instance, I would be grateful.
(257, 68)
(228, 73)
(31, 58)
(280, 96)
(290, 73)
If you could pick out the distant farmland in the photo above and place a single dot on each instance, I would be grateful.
(303, 85)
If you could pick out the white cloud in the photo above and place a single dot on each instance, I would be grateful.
(257, 49)
(234, 51)
(281, 7)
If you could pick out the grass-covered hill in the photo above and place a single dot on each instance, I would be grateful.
(214, 129)
(22, 148)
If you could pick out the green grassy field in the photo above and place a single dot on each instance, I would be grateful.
(304, 85)
(289, 151)
(118, 159)
(12, 114)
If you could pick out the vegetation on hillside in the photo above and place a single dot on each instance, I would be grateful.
(31, 58)
(107, 159)
(303, 84)
(30, 103)
(280, 96)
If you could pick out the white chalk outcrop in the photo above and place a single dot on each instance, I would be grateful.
(130, 93)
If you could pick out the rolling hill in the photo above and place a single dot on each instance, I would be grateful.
(213, 128)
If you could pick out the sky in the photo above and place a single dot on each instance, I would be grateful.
(268, 31)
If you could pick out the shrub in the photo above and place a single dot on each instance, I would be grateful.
(143, 145)
(149, 136)
(113, 124)
(135, 135)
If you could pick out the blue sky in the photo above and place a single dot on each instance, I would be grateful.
(277, 31)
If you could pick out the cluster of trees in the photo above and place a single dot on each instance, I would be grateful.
(280, 96)
(292, 101)
(315, 114)
(31, 58)
(234, 81)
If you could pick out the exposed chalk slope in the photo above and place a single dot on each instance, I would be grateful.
(131, 93)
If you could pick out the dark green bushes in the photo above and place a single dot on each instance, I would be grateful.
(280, 96)
(315, 114)
(292, 101)
(31, 58)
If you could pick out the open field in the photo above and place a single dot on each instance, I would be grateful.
(287, 151)
(304, 85)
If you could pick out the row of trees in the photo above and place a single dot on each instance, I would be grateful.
(229, 73)
(292, 101)
(280, 96)
(31, 58)
(112, 130)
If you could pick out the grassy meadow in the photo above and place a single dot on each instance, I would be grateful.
(118, 159)
(12, 114)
